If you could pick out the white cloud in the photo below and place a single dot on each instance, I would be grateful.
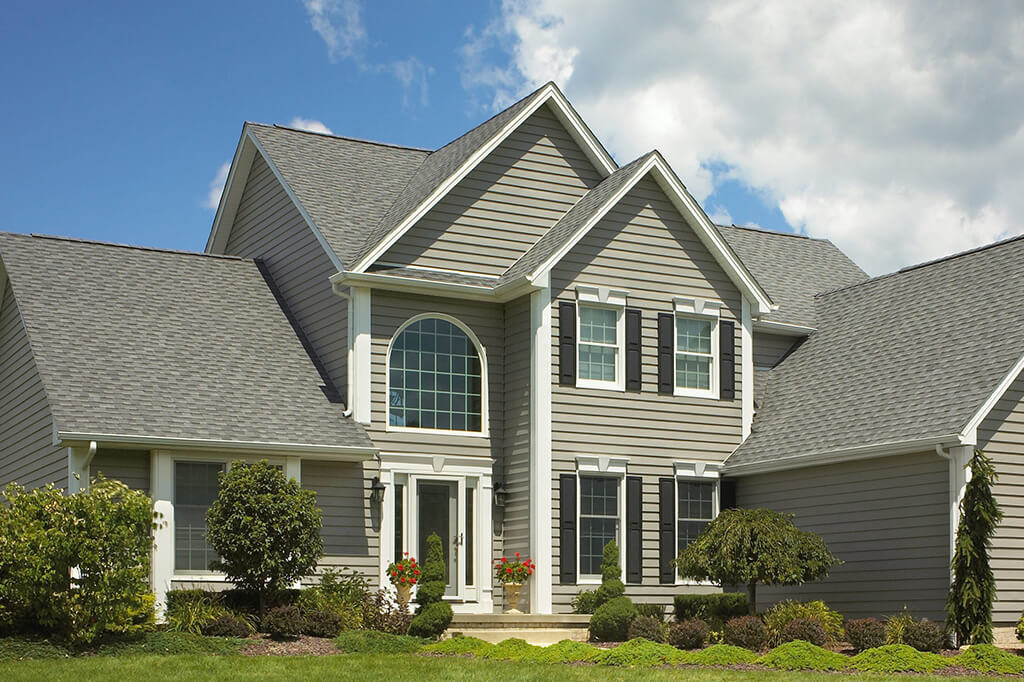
(217, 186)
(310, 124)
(894, 129)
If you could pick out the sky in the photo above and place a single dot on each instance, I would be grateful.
(892, 128)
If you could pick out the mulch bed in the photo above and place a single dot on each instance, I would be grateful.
(262, 645)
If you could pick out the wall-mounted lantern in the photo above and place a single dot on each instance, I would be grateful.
(376, 490)
(500, 493)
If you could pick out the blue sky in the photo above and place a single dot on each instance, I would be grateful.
(117, 117)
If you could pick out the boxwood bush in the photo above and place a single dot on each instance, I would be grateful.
(746, 631)
(283, 622)
(924, 635)
(865, 633)
(321, 623)
(689, 634)
(645, 627)
(804, 629)
(227, 625)
(610, 623)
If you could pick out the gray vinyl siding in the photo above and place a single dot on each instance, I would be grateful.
(887, 519)
(769, 349)
(131, 467)
(504, 205)
(653, 431)
(1001, 437)
(27, 453)
(269, 226)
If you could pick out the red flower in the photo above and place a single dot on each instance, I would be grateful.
(502, 559)
(416, 571)
(531, 571)
(403, 580)
(508, 570)
(517, 555)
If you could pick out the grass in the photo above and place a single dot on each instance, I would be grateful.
(374, 667)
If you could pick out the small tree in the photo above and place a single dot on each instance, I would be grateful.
(610, 568)
(969, 605)
(434, 615)
(265, 528)
(752, 546)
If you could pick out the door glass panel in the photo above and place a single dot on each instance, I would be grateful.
(469, 536)
(437, 514)
(399, 520)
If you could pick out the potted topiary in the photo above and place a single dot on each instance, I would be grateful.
(404, 574)
(513, 574)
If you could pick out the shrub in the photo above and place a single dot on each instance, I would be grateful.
(865, 633)
(898, 658)
(382, 614)
(713, 609)
(459, 645)
(612, 588)
(432, 582)
(610, 622)
(338, 592)
(372, 642)
(512, 649)
(585, 601)
(746, 631)
(924, 635)
(804, 629)
(755, 546)
(610, 568)
(721, 654)
(248, 601)
(227, 625)
(802, 655)
(639, 653)
(192, 615)
(645, 627)
(348, 608)
(1020, 628)
(777, 616)
(321, 623)
(987, 658)
(896, 626)
(651, 611)
(104, 532)
(283, 622)
(432, 620)
(689, 634)
(565, 651)
(264, 527)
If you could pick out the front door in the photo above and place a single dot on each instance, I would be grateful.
(438, 512)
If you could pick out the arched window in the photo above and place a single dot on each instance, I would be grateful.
(434, 377)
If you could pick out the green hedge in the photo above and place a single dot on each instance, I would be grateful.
(713, 609)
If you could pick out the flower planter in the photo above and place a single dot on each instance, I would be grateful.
(512, 597)
(404, 594)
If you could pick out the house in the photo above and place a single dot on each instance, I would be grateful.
(518, 344)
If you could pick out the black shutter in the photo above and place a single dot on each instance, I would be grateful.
(634, 529)
(634, 350)
(727, 495)
(666, 349)
(727, 360)
(567, 529)
(666, 530)
(567, 343)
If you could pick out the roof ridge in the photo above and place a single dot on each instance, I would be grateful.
(494, 116)
(97, 242)
(925, 264)
(765, 230)
(347, 138)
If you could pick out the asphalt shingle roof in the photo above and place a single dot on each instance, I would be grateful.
(907, 356)
(167, 344)
(437, 276)
(792, 269)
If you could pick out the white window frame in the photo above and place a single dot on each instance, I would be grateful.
(601, 467)
(609, 299)
(703, 472)
(705, 311)
(484, 431)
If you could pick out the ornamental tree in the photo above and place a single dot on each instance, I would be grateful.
(755, 546)
(265, 528)
(969, 604)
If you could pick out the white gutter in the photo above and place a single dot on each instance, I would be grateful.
(306, 450)
(426, 287)
(783, 328)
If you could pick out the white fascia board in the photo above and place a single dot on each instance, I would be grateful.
(839, 456)
(306, 450)
(686, 206)
(549, 94)
(298, 204)
(783, 328)
(969, 434)
(231, 195)
(376, 280)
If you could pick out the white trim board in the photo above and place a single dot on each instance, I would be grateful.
(782, 328)
(969, 434)
(426, 287)
(550, 95)
(341, 453)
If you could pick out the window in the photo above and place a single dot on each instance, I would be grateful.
(195, 489)
(696, 348)
(435, 378)
(695, 509)
(599, 520)
(600, 356)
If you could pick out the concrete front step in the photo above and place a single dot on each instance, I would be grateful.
(541, 630)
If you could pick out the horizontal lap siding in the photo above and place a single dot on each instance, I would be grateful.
(504, 205)
(769, 349)
(653, 431)
(269, 226)
(1001, 437)
(27, 453)
(131, 467)
(887, 519)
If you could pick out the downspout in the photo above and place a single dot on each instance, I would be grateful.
(348, 353)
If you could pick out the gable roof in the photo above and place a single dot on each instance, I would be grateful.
(156, 344)
(793, 269)
(906, 358)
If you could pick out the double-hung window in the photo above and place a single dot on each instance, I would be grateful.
(195, 489)
(696, 352)
(695, 508)
(599, 520)
(600, 346)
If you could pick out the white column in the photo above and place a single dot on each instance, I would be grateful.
(484, 537)
(959, 475)
(293, 469)
(360, 373)
(540, 449)
(161, 487)
(387, 524)
(747, 368)
(79, 459)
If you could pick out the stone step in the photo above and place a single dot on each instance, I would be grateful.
(535, 636)
(540, 630)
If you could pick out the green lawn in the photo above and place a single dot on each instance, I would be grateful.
(366, 667)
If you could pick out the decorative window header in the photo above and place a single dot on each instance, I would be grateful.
(697, 306)
(601, 465)
(698, 469)
(606, 295)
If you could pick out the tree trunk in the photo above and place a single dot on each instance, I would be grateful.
(262, 602)
(752, 593)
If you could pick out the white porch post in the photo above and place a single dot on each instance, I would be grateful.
(360, 372)
(540, 449)
(484, 576)
(959, 475)
(293, 469)
(79, 459)
(387, 526)
(747, 368)
(161, 486)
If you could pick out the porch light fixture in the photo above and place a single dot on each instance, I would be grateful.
(376, 490)
(499, 494)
